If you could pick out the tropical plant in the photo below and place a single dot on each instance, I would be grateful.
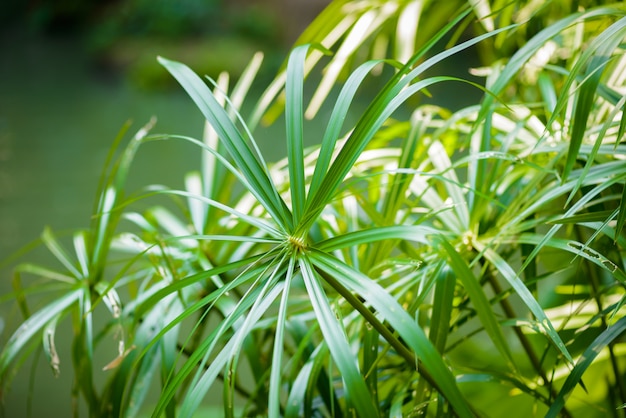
(416, 261)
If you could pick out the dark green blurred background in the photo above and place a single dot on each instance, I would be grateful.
(72, 72)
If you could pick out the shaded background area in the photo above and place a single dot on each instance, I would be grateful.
(72, 72)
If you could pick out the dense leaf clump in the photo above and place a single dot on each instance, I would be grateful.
(414, 260)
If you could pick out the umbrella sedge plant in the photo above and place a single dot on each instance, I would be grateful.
(288, 219)
(465, 263)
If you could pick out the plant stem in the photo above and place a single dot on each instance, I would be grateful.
(526, 345)
(385, 332)
(594, 282)
(238, 388)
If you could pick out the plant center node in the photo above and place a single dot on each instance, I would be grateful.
(297, 243)
(468, 240)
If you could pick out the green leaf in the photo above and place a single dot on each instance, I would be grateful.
(59, 252)
(46, 273)
(33, 325)
(141, 382)
(197, 210)
(395, 92)
(357, 394)
(294, 129)
(600, 216)
(297, 401)
(440, 160)
(603, 46)
(335, 122)
(622, 126)
(399, 319)
(591, 352)
(621, 217)
(258, 222)
(311, 376)
(401, 181)
(548, 92)
(593, 154)
(261, 185)
(442, 309)
(579, 249)
(479, 300)
(80, 246)
(259, 303)
(278, 353)
(416, 233)
(522, 291)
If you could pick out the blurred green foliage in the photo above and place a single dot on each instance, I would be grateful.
(180, 19)
(125, 36)
(162, 18)
(105, 21)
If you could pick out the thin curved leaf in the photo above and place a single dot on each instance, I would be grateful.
(399, 319)
(591, 352)
(40, 319)
(262, 187)
(479, 300)
(357, 393)
(522, 291)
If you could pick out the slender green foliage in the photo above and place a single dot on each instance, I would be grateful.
(445, 263)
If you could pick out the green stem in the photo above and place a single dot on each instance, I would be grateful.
(526, 345)
(238, 388)
(385, 332)
(594, 282)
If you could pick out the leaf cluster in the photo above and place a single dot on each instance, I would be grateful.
(444, 263)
